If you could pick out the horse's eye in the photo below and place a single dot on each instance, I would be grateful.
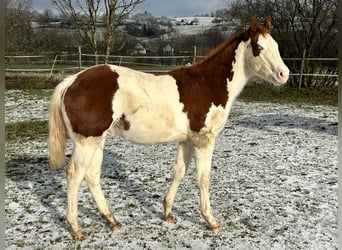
(260, 48)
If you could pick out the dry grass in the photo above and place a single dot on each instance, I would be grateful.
(286, 94)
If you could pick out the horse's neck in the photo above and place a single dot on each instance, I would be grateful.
(232, 57)
(241, 74)
(230, 61)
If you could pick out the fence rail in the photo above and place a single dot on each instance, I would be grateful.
(319, 68)
(76, 62)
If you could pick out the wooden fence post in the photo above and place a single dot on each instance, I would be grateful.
(79, 58)
(53, 65)
(302, 70)
(195, 54)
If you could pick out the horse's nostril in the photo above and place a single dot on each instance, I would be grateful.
(281, 74)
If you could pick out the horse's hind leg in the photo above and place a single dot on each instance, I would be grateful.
(183, 159)
(76, 170)
(93, 179)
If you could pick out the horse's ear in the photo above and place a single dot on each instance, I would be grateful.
(254, 24)
(267, 23)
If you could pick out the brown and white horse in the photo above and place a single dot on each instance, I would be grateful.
(188, 105)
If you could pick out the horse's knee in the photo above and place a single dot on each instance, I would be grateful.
(204, 181)
(91, 180)
(179, 171)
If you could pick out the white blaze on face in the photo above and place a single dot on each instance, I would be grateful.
(268, 65)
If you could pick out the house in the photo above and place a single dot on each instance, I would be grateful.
(168, 50)
(139, 49)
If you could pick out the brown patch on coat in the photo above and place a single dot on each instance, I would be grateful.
(88, 101)
(123, 123)
(255, 30)
(205, 83)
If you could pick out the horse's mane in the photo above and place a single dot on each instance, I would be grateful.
(235, 39)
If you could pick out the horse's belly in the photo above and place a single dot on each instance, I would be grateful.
(150, 134)
(147, 127)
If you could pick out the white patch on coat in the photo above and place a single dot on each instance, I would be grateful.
(151, 106)
(269, 63)
(215, 119)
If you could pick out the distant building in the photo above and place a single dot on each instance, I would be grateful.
(139, 49)
(168, 50)
(185, 21)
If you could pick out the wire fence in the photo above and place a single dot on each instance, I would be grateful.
(306, 71)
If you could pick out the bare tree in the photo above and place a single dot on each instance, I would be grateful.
(115, 12)
(303, 28)
(298, 24)
(86, 16)
(18, 31)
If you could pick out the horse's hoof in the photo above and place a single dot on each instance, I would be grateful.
(79, 236)
(170, 219)
(217, 229)
(116, 226)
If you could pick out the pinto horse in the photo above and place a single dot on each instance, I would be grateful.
(188, 105)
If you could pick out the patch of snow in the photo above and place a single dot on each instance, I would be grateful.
(204, 23)
(21, 105)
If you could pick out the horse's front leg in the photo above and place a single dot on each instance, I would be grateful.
(203, 156)
(184, 154)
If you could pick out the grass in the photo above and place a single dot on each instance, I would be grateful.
(286, 94)
(26, 131)
(30, 81)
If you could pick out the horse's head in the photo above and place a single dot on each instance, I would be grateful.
(263, 57)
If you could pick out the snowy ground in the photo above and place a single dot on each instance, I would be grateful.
(204, 23)
(274, 186)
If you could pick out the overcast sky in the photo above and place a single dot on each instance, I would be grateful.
(169, 8)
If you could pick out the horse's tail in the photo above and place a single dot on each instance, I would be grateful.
(57, 131)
